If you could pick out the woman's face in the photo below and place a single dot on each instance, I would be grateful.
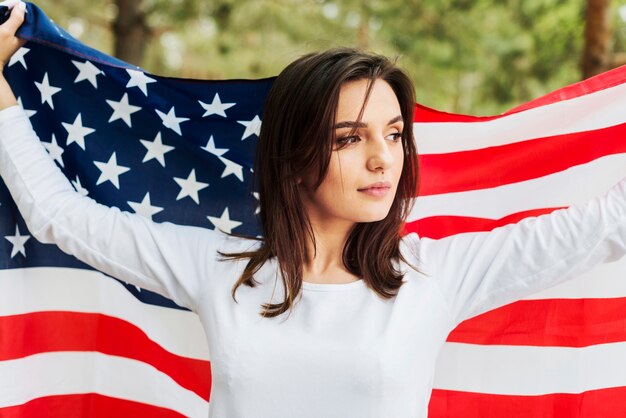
(372, 154)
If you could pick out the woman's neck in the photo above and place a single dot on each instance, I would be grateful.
(325, 262)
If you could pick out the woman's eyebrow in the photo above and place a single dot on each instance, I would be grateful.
(352, 124)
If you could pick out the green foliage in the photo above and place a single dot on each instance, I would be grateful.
(469, 56)
(486, 56)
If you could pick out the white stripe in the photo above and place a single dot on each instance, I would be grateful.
(575, 185)
(66, 289)
(590, 112)
(524, 370)
(73, 373)
(604, 281)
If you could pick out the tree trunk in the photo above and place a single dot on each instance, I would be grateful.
(130, 31)
(597, 52)
(363, 30)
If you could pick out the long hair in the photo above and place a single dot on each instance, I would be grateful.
(296, 138)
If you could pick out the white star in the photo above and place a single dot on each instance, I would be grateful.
(122, 110)
(258, 208)
(139, 79)
(216, 107)
(46, 90)
(79, 188)
(29, 113)
(19, 57)
(190, 187)
(18, 242)
(54, 150)
(171, 121)
(110, 171)
(76, 132)
(232, 168)
(87, 71)
(223, 222)
(145, 208)
(156, 149)
(210, 147)
(253, 127)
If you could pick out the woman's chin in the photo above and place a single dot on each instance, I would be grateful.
(371, 216)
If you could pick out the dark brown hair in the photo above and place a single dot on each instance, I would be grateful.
(297, 137)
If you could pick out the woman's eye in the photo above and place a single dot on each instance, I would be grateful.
(346, 140)
(396, 136)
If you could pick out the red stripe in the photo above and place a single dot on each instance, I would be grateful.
(601, 403)
(594, 84)
(427, 114)
(548, 322)
(520, 161)
(40, 332)
(437, 227)
(600, 82)
(85, 405)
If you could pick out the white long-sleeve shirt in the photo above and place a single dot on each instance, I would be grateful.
(344, 352)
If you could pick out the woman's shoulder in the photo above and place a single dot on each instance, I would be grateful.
(232, 242)
(410, 247)
(210, 241)
(410, 240)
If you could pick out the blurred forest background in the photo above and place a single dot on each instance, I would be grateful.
(467, 56)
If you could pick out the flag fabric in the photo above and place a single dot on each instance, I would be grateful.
(77, 343)
(559, 353)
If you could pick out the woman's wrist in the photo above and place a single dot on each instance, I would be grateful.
(9, 44)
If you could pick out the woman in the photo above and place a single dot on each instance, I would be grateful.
(367, 311)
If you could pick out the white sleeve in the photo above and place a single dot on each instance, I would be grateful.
(172, 260)
(477, 272)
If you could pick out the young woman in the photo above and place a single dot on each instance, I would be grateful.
(338, 315)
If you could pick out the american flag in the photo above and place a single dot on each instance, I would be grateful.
(76, 343)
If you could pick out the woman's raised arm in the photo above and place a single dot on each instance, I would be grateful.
(480, 271)
(172, 260)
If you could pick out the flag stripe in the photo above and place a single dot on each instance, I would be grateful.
(552, 322)
(512, 163)
(586, 113)
(506, 370)
(576, 185)
(177, 331)
(71, 331)
(604, 403)
(76, 406)
(602, 81)
(60, 373)
(438, 227)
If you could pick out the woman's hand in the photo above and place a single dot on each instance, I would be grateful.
(9, 43)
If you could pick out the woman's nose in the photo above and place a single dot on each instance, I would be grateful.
(380, 156)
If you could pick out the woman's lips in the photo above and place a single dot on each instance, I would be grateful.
(376, 191)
